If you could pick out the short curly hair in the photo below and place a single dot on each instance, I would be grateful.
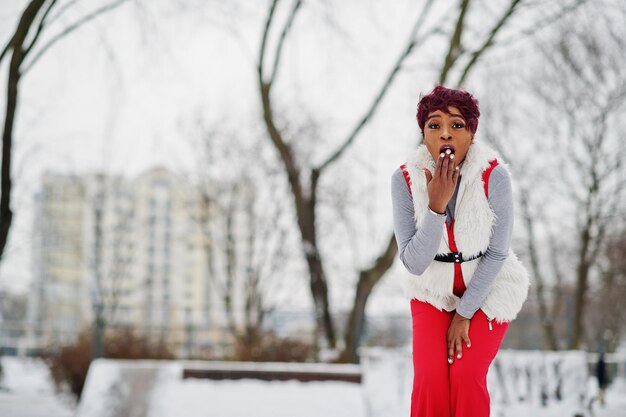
(441, 98)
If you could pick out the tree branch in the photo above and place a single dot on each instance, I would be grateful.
(545, 22)
(283, 36)
(396, 68)
(286, 154)
(40, 27)
(477, 54)
(455, 43)
(368, 278)
(71, 28)
(266, 30)
(62, 9)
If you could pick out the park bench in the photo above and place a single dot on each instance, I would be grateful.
(273, 371)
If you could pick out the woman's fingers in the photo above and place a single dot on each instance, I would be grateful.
(451, 167)
(459, 344)
(455, 173)
(456, 345)
(458, 333)
(442, 181)
(445, 166)
(459, 348)
(439, 165)
(467, 340)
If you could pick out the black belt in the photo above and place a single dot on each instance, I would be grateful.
(456, 257)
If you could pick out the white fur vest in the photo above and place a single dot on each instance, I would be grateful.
(473, 223)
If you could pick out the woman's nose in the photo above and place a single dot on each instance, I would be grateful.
(445, 135)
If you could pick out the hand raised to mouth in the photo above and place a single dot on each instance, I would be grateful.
(442, 183)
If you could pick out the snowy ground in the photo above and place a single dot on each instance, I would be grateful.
(616, 402)
(156, 389)
(26, 390)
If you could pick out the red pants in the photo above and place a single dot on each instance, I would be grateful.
(460, 389)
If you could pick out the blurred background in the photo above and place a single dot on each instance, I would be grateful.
(210, 180)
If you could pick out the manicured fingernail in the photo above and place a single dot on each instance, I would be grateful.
(457, 168)
(468, 345)
(458, 356)
(441, 155)
(451, 156)
(450, 361)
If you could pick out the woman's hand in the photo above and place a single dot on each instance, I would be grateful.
(458, 332)
(441, 185)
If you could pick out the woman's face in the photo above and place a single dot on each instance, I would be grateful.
(444, 131)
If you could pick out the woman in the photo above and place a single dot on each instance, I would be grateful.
(453, 220)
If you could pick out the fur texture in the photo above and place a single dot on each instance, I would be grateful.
(474, 220)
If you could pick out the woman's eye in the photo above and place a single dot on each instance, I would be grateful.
(433, 126)
(458, 125)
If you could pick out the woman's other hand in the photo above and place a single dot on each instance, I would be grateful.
(442, 183)
(458, 333)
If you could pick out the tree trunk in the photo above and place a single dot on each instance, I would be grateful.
(305, 213)
(17, 57)
(547, 322)
(318, 281)
(582, 280)
(367, 281)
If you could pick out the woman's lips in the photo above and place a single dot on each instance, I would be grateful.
(448, 149)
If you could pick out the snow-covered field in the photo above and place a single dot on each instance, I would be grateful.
(519, 382)
(26, 390)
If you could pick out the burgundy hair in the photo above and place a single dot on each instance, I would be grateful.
(441, 98)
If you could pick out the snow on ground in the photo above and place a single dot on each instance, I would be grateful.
(246, 398)
(615, 401)
(31, 405)
(156, 389)
(26, 390)
(124, 383)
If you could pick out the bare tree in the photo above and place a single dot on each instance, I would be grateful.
(304, 181)
(246, 236)
(25, 48)
(587, 90)
(530, 213)
(576, 90)
(606, 318)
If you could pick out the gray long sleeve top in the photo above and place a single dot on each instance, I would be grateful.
(418, 246)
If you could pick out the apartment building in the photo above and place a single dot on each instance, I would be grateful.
(55, 314)
(125, 253)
